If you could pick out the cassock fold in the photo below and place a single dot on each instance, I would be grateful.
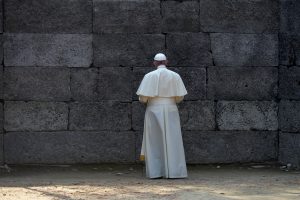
(162, 146)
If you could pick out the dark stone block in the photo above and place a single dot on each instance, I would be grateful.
(142, 49)
(180, 16)
(230, 147)
(289, 149)
(84, 84)
(290, 16)
(138, 75)
(239, 16)
(1, 119)
(69, 147)
(138, 115)
(289, 82)
(71, 50)
(37, 83)
(244, 49)
(1, 14)
(189, 49)
(241, 83)
(115, 83)
(197, 115)
(1, 82)
(105, 115)
(1, 149)
(1, 47)
(247, 115)
(120, 16)
(55, 16)
(110, 50)
(131, 50)
(289, 116)
(194, 79)
(35, 116)
(289, 49)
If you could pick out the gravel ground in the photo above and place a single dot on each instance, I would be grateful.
(208, 182)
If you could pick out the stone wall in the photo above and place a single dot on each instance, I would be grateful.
(71, 68)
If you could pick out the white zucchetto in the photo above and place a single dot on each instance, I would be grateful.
(160, 57)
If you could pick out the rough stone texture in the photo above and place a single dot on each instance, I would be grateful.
(289, 37)
(142, 48)
(289, 116)
(95, 84)
(247, 115)
(81, 86)
(1, 149)
(242, 83)
(244, 49)
(1, 82)
(180, 16)
(131, 50)
(239, 16)
(289, 49)
(105, 115)
(228, 147)
(115, 83)
(69, 147)
(84, 84)
(1, 120)
(1, 47)
(289, 149)
(110, 50)
(188, 49)
(194, 79)
(290, 16)
(197, 115)
(289, 82)
(55, 16)
(130, 16)
(1, 14)
(71, 50)
(138, 75)
(138, 115)
(35, 116)
(37, 83)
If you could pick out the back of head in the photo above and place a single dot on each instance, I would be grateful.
(160, 59)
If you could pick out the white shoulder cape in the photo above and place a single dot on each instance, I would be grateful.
(162, 82)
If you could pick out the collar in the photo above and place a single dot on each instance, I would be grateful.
(161, 66)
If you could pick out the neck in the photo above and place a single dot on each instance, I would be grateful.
(161, 66)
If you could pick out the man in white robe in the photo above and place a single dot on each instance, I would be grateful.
(162, 146)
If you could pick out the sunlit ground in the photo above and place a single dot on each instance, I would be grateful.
(267, 182)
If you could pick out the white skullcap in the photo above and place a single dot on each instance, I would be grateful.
(160, 57)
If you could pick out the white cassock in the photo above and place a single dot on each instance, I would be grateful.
(162, 146)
